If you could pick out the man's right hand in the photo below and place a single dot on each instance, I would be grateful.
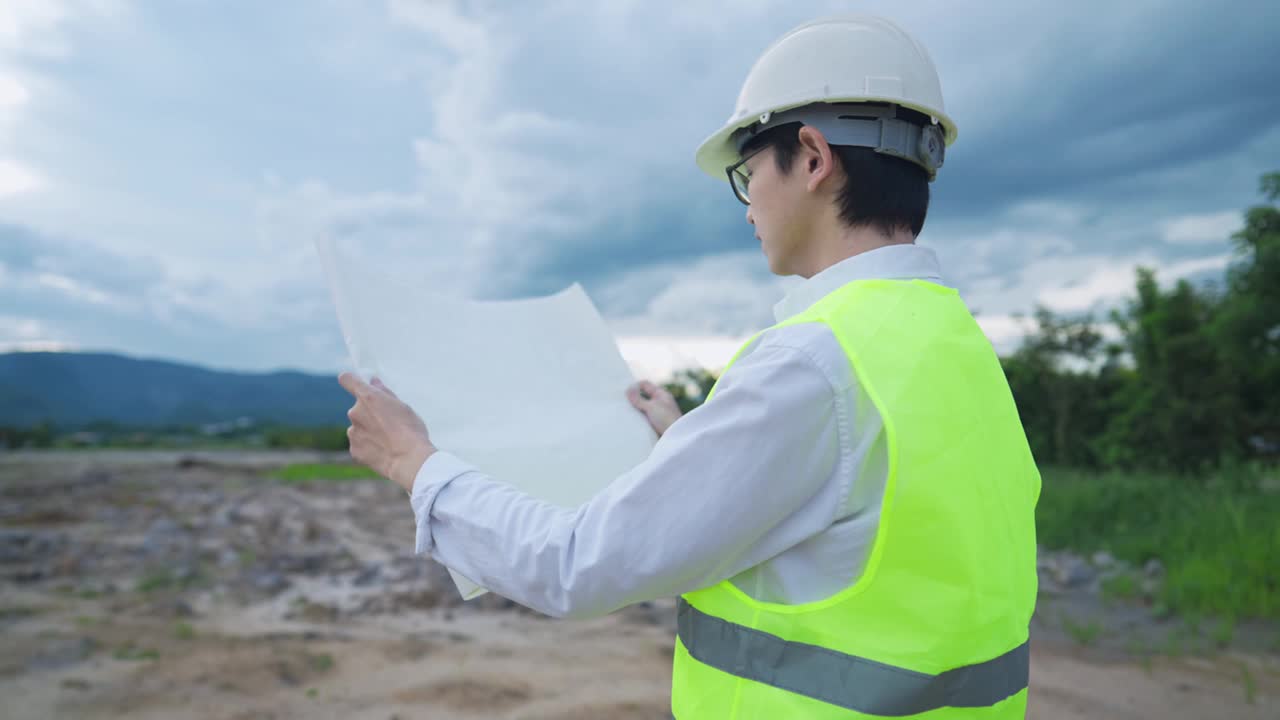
(656, 403)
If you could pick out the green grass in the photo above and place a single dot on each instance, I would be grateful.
(130, 652)
(183, 631)
(1123, 586)
(335, 472)
(1137, 647)
(1250, 685)
(1219, 542)
(320, 662)
(165, 579)
(1224, 631)
(154, 581)
(1084, 633)
(1192, 621)
(19, 612)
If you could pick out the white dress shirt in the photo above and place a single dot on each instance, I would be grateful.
(775, 484)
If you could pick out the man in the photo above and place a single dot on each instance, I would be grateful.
(849, 519)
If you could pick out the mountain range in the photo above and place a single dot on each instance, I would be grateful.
(72, 389)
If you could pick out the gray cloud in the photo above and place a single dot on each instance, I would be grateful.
(1105, 109)
(503, 150)
(24, 250)
(1106, 96)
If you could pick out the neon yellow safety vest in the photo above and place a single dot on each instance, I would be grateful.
(937, 625)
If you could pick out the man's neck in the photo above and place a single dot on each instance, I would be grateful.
(844, 242)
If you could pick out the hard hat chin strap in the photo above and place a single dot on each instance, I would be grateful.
(860, 125)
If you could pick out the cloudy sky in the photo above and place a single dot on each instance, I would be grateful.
(165, 166)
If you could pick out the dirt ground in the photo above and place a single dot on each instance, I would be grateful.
(166, 585)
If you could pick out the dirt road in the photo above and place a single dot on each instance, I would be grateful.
(156, 587)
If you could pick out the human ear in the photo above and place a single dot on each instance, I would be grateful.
(819, 159)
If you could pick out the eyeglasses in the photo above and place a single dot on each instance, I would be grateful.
(740, 177)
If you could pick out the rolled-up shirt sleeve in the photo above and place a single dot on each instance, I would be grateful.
(722, 491)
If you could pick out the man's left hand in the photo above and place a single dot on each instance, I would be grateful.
(386, 435)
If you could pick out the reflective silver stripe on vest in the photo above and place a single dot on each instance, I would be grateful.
(849, 681)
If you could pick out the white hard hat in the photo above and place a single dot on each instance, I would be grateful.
(838, 60)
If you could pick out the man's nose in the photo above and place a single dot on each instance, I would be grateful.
(749, 218)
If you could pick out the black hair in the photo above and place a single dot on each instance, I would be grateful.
(880, 191)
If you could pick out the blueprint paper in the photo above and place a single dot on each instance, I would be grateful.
(529, 391)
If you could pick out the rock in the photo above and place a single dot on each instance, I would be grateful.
(76, 684)
(174, 607)
(75, 564)
(1150, 586)
(29, 575)
(1153, 568)
(271, 582)
(90, 589)
(163, 526)
(286, 674)
(20, 546)
(314, 612)
(162, 536)
(15, 545)
(310, 563)
(492, 601)
(185, 571)
(293, 527)
(226, 516)
(1103, 559)
(405, 568)
(368, 576)
(1046, 585)
(63, 653)
(113, 515)
(649, 613)
(186, 462)
(94, 476)
(1072, 571)
(343, 563)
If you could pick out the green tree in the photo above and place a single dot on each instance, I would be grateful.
(1195, 381)
(1181, 410)
(1248, 326)
(1062, 398)
(314, 438)
(690, 387)
(42, 434)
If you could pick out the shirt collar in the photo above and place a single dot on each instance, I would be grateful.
(892, 262)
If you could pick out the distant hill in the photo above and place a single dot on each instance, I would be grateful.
(72, 389)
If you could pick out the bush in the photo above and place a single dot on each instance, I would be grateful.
(1219, 541)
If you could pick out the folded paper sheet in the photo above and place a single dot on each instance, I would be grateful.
(531, 391)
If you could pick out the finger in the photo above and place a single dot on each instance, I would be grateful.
(353, 447)
(353, 384)
(377, 382)
(633, 394)
(651, 389)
